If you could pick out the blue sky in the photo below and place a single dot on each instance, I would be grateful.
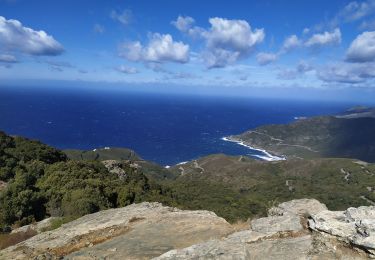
(239, 45)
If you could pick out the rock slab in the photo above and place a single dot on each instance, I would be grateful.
(137, 231)
(354, 226)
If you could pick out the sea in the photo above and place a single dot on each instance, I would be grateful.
(165, 128)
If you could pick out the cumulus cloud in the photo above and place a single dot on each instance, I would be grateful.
(183, 23)
(350, 73)
(124, 17)
(7, 58)
(226, 41)
(323, 39)
(160, 48)
(264, 58)
(127, 70)
(291, 43)
(362, 49)
(15, 37)
(229, 40)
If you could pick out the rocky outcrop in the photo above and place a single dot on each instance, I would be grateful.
(277, 223)
(139, 231)
(301, 207)
(38, 226)
(298, 229)
(263, 248)
(355, 226)
(280, 236)
(115, 167)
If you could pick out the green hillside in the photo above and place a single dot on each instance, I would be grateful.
(325, 136)
(39, 181)
(113, 153)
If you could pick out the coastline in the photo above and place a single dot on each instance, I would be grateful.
(267, 156)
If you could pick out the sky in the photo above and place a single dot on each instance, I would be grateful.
(241, 46)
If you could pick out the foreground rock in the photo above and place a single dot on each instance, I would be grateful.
(138, 231)
(301, 207)
(298, 229)
(282, 235)
(354, 226)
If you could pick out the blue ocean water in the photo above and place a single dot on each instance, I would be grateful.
(167, 129)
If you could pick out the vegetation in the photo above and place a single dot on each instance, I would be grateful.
(102, 154)
(41, 182)
(339, 183)
(317, 137)
(16, 152)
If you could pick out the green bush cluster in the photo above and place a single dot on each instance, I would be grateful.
(41, 182)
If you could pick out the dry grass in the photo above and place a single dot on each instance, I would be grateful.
(241, 225)
(90, 239)
(7, 240)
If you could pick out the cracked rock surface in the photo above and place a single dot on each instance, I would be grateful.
(297, 229)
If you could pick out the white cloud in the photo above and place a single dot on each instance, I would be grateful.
(291, 43)
(306, 31)
(233, 35)
(356, 10)
(125, 17)
(264, 58)
(219, 58)
(226, 40)
(229, 40)
(183, 24)
(15, 37)
(323, 39)
(350, 73)
(353, 11)
(160, 48)
(362, 49)
(7, 58)
(127, 70)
